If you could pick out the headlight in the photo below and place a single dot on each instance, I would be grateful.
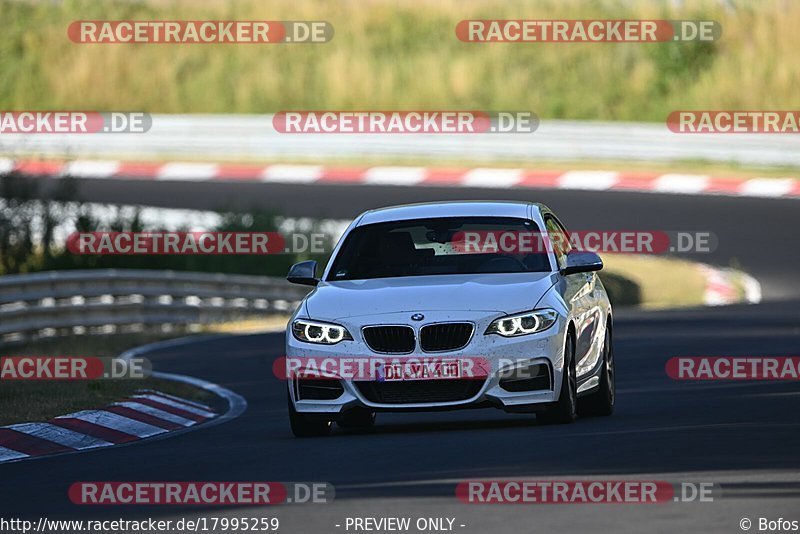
(323, 333)
(523, 323)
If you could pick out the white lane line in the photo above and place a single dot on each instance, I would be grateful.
(394, 175)
(593, 180)
(117, 422)
(92, 168)
(495, 178)
(155, 412)
(681, 183)
(62, 436)
(174, 404)
(187, 171)
(8, 454)
(767, 187)
(178, 399)
(295, 174)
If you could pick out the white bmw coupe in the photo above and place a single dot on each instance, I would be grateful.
(450, 305)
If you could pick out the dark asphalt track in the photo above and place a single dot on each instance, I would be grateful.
(744, 436)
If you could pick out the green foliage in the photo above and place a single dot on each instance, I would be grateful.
(404, 55)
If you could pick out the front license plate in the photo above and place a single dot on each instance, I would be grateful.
(422, 370)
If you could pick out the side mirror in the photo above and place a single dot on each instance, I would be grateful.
(582, 262)
(304, 273)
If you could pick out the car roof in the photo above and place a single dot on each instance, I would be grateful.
(468, 208)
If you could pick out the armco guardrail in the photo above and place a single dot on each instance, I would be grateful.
(118, 300)
(252, 137)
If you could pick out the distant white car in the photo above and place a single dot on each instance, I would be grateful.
(404, 285)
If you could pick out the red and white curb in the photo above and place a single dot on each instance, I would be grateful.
(721, 289)
(143, 415)
(494, 178)
(146, 416)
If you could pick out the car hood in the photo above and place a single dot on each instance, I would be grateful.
(508, 293)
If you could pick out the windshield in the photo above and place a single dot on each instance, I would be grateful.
(434, 246)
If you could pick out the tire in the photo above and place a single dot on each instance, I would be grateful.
(307, 425)
(565, 410)
(601, 402)
(356, 418)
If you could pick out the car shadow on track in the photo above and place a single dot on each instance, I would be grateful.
(438, 425)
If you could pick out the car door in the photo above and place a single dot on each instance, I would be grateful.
(581, 295)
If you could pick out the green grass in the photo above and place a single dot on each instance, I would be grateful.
(403, 55)
(662, 282)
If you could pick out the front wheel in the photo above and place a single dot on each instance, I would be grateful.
(307, 425)
(566, 409)
(601, 402)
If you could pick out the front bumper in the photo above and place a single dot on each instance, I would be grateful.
(541, 349)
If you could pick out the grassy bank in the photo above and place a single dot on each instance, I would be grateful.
(390, 55)
(661, 282)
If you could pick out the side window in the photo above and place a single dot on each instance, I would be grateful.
(558, 240)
